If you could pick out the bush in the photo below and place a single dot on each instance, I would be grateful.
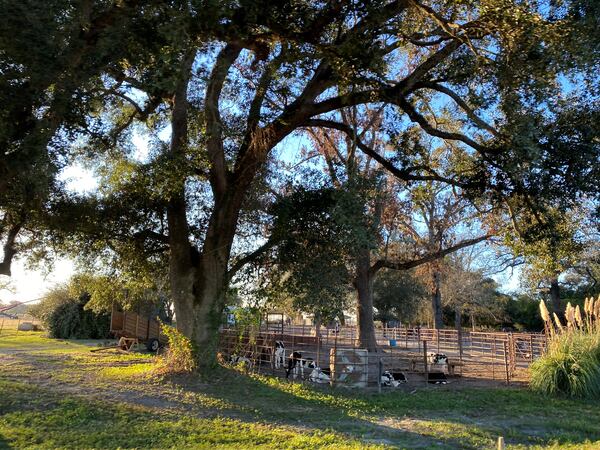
(570, 367)
(180, 356)
(65, 317)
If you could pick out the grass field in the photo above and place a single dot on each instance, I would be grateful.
(59, 394)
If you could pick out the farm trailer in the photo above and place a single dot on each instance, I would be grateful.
(132, 328)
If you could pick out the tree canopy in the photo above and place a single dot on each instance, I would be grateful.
(189, 110)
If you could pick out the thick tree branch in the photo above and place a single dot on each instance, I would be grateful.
(401, 174)
(248, 258)
(405, 265)
(179, 243)
(460, 102)
(214, 141)
(415, 116)
(385, 93)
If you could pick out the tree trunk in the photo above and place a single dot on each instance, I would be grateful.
(458, 319)
(436, 302)
(317, 320)
(199, 280)
(555, 296)
(364, 308)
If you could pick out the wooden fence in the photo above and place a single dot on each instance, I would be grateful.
(501, 356)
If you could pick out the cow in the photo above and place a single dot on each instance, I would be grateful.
(437, 358)
(279, 354)
(240, 360)
(296, 365)
(437, 378)
(437, 361)
(392, 379)
(319, 375)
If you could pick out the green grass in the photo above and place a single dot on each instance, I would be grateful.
(62, 398)
(37, 342)
(50, 422)
(130, 372)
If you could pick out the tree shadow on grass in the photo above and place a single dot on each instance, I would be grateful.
(464, 418)
(299, 405)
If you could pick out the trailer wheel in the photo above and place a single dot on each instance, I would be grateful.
(153, 345)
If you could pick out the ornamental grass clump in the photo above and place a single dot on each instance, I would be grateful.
(571, 364)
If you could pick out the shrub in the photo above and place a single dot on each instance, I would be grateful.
(65, 317)
(180, 356)
(571, 364)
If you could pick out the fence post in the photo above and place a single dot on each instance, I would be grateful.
(380, 373)
(530, 347)
(1, 326)
(494, 356)
(318, 350)
(506, 362)
(425, 361)
(501, 443)
(333, 365)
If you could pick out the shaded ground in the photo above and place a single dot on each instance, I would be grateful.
(59, 394)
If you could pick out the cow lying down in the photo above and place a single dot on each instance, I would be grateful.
(240, 360)
(438, 366)
(319, 375)
(392, 379)
(297, 364)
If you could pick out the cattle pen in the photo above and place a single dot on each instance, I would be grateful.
(477, 356)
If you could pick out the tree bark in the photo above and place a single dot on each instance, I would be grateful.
(458, 319)
(317, 320)
(364, 308)
(436, 302)
(199, 279)
(555, 296)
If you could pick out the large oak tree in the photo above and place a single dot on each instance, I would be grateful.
(236, 81)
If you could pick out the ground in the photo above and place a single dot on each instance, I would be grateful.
(60, 394)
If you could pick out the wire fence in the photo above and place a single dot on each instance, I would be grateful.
(405, 353)
(10, 325)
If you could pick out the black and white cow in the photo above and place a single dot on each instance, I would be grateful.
(296, 365)
(279, 354)
(437, 361)
(237, 360)
(319, 375)
(392, 379)
(437, 358)
(438, 366)
(437, 378)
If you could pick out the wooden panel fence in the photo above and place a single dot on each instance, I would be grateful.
(501, 356)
